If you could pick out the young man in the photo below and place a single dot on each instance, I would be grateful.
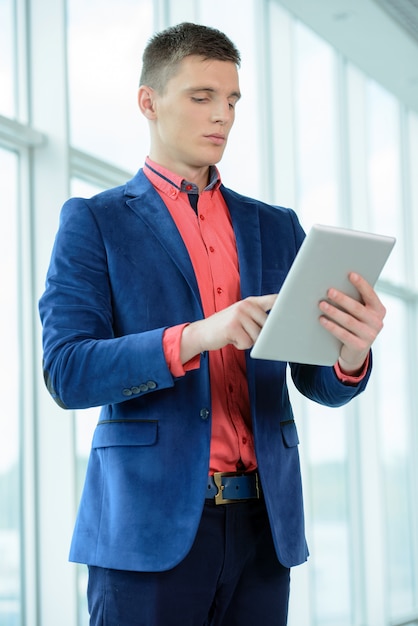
(155, 292)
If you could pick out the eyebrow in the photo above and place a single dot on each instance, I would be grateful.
(234, 94)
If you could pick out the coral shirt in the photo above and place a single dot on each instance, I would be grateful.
(205, 226)
(210, 242)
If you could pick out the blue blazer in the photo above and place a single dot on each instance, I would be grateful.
(119, 275)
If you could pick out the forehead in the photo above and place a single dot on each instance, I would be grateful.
(195, 72)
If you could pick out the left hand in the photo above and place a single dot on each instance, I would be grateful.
(355, 324)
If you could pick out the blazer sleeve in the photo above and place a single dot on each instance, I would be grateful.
(322, 385)
(85, 364)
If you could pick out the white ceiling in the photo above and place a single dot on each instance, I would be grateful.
(379, 36)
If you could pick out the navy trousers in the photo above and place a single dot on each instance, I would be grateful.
(231, 577)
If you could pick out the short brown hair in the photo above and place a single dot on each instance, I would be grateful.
(165, 51)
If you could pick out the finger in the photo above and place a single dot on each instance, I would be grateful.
(252, 313)
(366, 291)
(368, 308)
(362, 323)
(264, 302)
(351, 332)
(342, 309)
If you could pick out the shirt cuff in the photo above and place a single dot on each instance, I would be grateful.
(352, 380)
(171, 347)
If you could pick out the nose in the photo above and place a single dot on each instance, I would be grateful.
(222, 112)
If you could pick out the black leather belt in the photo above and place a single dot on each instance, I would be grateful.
(227, 487)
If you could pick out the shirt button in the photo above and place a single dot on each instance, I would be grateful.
(244, 440)
(189, 187)
(219, 290)
(202, 217)
(211, 248)
(231, 388)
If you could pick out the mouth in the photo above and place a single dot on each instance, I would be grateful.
(216, 139)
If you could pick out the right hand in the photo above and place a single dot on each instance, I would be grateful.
(238, 324)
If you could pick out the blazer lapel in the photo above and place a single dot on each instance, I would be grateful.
(244, 215)
(147, 204)
(150, 208)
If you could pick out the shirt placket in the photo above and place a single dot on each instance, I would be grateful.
(224, 295)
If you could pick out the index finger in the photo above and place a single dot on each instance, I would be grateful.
(266, 302)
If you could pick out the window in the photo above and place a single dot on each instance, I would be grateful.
(395, 424)
(389, 202)
(10, 469)
(384, 173)
(312, 132)
(316, 128)
(7, 58)
(104, 47)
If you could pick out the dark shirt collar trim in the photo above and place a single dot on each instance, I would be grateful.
(181, 184)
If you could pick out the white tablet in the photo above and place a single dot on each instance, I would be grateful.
(292, 331)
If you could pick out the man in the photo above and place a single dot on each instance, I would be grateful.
(155, 292)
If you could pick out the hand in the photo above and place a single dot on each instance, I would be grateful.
(238, 324)
(355, 324)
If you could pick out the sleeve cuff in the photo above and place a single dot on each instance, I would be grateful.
(171, 347)
(352, 380)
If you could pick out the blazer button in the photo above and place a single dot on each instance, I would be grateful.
(204, 413)
(127, 392)
(151, 384)
(143, 387)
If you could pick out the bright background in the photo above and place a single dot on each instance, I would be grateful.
(328, 124)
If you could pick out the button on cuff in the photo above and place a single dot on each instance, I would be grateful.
(150, 385)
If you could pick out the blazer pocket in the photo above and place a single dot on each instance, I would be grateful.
(125, 433)
(289, 433)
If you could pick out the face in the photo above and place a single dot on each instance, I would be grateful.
(191, 120)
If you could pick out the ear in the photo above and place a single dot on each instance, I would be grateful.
(146, 101)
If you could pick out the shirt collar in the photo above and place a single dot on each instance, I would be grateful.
(173, 184)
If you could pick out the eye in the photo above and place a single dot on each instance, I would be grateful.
(199, 100)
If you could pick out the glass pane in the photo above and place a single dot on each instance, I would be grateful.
(7, 58)
(105, 43)
(384, 174)
(328, 534)
(316, 130)
(412, 133)
(10, 478)
(395, 422)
